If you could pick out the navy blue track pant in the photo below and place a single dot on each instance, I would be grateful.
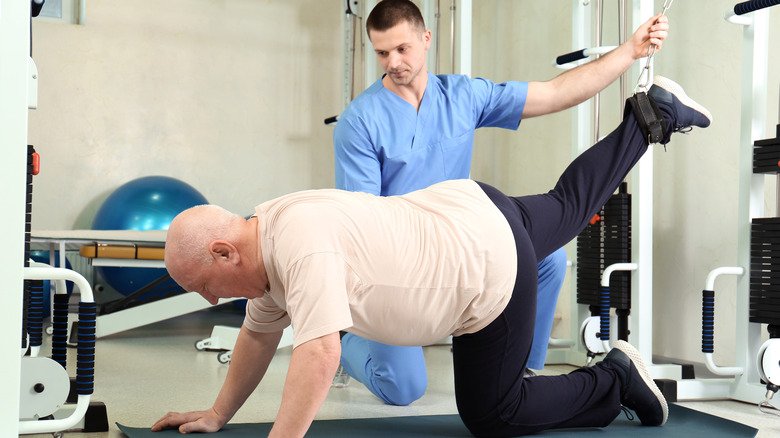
(492, 396)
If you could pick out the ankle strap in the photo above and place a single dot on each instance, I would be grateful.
(647, 116)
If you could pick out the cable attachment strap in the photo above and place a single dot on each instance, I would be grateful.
(767, 407)
(645, 72)
(648, 116)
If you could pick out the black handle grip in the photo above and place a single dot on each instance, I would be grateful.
(708, 321)
(331, 120)
(754, 5)
(85, 359)
(571, 57)
(604, 305)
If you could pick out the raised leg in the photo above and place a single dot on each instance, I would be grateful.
(493, 397)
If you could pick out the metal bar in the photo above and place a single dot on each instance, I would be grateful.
(597, 97)
(755, 55)
(641, 326)
(622, 37)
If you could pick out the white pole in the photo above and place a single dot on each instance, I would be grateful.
(370, 68)
(348, 48)
(582, 133)
(463, 38)
(597, 98)
(430, 13)
(755, 55)
(82, 12)
(14, 55)
(641, 321)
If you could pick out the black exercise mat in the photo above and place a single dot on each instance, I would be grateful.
(683, 422)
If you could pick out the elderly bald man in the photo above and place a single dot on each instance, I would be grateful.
(458, 258)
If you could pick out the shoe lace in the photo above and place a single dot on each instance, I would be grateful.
(627, 412)
(682, 130)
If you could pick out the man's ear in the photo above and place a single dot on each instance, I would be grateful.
(224, 251)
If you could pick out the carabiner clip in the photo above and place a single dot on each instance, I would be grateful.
(644, 86)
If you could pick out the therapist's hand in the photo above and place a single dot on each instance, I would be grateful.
(188, 422)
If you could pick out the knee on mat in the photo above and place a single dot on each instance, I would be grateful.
(400, 390)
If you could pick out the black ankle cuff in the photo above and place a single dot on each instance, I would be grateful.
(648, 117)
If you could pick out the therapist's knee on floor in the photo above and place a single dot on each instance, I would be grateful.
(400, 385)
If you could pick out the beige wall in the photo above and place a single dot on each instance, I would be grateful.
(226, 95)
(229, 95)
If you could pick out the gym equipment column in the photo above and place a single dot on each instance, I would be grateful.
(14, 52)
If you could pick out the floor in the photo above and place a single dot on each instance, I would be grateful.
(143, 373)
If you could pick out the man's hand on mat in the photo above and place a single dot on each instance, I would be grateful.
(187, 422)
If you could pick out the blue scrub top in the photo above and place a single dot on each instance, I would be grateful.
(385, 147)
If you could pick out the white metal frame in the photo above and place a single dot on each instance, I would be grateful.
(710, 286)
(14, 55)
(741, 382)
(745, 384)
(82, 403)
(755, 58)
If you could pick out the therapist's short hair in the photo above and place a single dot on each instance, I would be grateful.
(389, 13)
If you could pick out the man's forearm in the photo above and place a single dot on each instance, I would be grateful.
(580, 84)
(309, 377)
(585, 81)
(250, 359)
(577, 85)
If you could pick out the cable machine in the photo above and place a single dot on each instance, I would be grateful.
(33, 387)
(14, 55)
(756, 376)
(627, 257)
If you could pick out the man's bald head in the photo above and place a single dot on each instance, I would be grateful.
(189, 237)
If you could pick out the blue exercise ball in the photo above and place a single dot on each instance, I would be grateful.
(148, 203)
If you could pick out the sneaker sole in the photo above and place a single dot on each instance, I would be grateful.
(675, 88)
(639, 364)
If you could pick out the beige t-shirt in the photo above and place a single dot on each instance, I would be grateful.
(402, 270)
